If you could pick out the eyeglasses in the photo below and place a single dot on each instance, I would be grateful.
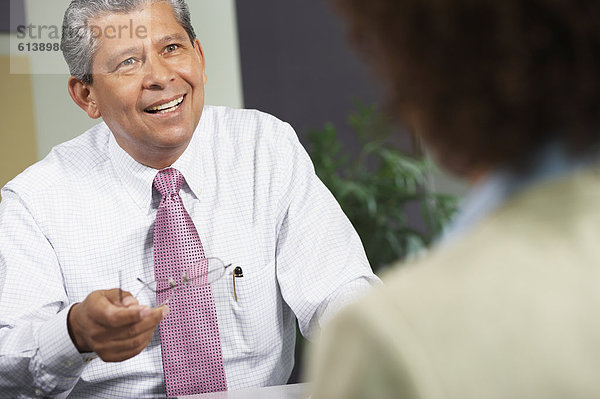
(203, 273)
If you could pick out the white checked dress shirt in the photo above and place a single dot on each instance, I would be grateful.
(69, 223)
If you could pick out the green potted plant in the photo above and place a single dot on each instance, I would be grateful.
(376, 187)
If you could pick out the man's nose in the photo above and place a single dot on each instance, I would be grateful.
(158, 73)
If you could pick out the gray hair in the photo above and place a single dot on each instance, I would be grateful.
(79, 43)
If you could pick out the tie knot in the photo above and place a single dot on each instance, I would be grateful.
(168, 181)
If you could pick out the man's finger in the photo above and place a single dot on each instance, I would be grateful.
(124, 343)
(109, 315)
(120, 297)
(148, 323)
(116, 351)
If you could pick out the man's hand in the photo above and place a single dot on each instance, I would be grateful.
(115, 330)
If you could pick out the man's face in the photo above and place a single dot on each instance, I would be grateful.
(148, 83)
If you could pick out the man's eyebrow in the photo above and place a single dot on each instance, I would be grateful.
(175, 37)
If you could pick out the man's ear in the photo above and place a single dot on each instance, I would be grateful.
(83, 96)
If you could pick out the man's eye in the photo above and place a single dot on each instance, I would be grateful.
(127, 62)
(171, 48)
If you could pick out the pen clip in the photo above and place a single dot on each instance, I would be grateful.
(234, 293)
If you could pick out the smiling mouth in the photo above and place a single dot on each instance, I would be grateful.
(166, 107)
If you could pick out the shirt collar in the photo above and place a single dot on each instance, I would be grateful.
(138, 178)
(135, 177)
(550, 161)
(189, 163)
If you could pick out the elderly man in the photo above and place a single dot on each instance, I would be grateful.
(212, 218)
(507, 94)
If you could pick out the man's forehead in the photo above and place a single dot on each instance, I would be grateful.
(116, 32)
(153, 21)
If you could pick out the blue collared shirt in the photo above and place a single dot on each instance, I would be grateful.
(550, 162)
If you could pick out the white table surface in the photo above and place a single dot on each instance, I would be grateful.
(292, 391)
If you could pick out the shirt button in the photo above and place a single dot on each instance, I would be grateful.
(69, 363)
(38, 392)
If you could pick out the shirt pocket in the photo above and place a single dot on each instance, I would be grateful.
(257, 311)
(257, 286)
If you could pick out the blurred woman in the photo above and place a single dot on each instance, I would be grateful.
(507, 95)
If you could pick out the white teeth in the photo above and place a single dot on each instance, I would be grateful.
(165, 107)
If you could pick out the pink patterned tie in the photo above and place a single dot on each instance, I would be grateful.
(189, 335)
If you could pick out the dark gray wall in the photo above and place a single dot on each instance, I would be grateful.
(298, 66)
(12, 14)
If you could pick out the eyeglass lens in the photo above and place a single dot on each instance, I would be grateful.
(206, 271)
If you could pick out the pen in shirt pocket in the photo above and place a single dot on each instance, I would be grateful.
(237, 273)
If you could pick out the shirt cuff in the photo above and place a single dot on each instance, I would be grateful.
(58, 353)
(350, 293)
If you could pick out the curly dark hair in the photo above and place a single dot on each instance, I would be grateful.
(485, 82)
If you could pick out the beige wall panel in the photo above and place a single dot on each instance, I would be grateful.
(18, 146)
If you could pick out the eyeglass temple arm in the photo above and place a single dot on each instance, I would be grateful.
(205, 274)
(147, 285)
(120, 285)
